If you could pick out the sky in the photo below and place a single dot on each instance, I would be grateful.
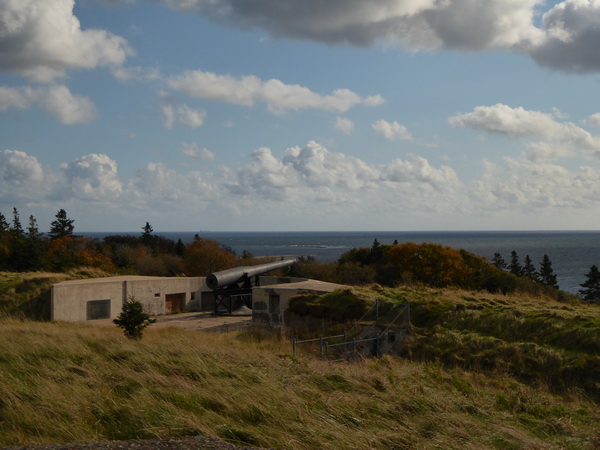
(301, 115)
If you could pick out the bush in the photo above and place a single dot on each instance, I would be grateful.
(133, 319)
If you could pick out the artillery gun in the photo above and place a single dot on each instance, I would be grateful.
(233, 287)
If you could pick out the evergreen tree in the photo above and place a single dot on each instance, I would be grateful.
(179, 248)
(17, 228)
(376, 253)
(498, 261)
(529, 271)
(547, 276)
(147, 234)
(32, 229)
(34, 246)
(133, 319)
(62, 226)
(515, 266)
(4, 227)
(591, 293)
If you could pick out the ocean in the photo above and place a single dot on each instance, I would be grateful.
(572, 253)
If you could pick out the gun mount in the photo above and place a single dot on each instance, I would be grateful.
(236, 284)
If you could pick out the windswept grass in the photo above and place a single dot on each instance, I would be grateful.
(73, 382)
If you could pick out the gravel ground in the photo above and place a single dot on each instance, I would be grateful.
(184, 443)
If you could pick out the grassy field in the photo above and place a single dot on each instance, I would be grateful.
(479, 371)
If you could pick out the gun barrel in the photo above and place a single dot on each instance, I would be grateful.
(236, 275)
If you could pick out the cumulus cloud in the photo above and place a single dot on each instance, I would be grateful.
(420, 171)
(571, 38)
(193, 151)
(188, 117)
(470, 24)
(92, 177)
(391, 130)
(343, 124)
(43, 39)
(566, 40)
(560, 137)
(21, 175)
(278, 96)
(56, 100)
(313, 173)
(525, 184)
(594, 120)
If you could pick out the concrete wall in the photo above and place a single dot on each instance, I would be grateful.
(70, 299)
(270, 303)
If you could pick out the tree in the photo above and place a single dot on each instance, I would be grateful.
(515, 266)
(529, 271)
(133, 319)
(34, 246)
(147, 234)
(17, 228)
(62, 226)
(547, 276)
(4, 227)
(591, 293)
(498, 261)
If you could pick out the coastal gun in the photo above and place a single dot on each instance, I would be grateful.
(234, 285)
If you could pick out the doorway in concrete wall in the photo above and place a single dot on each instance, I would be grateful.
(174, 303)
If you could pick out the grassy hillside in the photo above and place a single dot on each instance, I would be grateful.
(78, 382)
(522, 371)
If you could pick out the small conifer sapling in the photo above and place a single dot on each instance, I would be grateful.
(133, 319)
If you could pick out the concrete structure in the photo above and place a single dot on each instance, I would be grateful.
(102, 298)
(270, 303)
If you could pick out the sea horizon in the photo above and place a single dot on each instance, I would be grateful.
(572, 252)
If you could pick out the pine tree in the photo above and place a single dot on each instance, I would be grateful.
(147, 234)
(133, 319)
(591, 293)
(32, 229)
(529, 271)
(515, 266)
(16, 228)
(547, 276)
(498, 261)
(4, 227)
(34, 245)
(62, 226)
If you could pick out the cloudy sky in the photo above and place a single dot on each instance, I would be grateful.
(301, 114)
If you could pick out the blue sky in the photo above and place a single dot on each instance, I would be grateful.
(266, 115)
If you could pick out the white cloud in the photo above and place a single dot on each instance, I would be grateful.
(561, 138)
(43, 39)
(572, 37)
(420, 171)
(57, 100)
(344, 124)
(92, 177)
(278, 96)
(188, 117)
(193, 151)
(567, 39)
(594, 120)
(391, 130)
(68, 108)
(528, 185)
(21, 175)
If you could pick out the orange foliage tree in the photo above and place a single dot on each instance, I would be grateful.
(204, 256)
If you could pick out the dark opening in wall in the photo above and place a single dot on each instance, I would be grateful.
(98, 309)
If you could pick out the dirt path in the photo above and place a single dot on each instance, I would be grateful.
(195, 321)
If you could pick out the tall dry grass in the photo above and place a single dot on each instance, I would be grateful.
(76, 382)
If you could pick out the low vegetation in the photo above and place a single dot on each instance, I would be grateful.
(522, 371)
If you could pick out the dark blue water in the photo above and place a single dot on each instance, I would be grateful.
(572, 252)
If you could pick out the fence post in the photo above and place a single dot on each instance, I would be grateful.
(321, 347)
(294, 346)
(326, 350)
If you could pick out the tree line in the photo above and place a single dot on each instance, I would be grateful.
(60, 249)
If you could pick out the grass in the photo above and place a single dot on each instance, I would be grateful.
(479, 371)
(75, 382)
